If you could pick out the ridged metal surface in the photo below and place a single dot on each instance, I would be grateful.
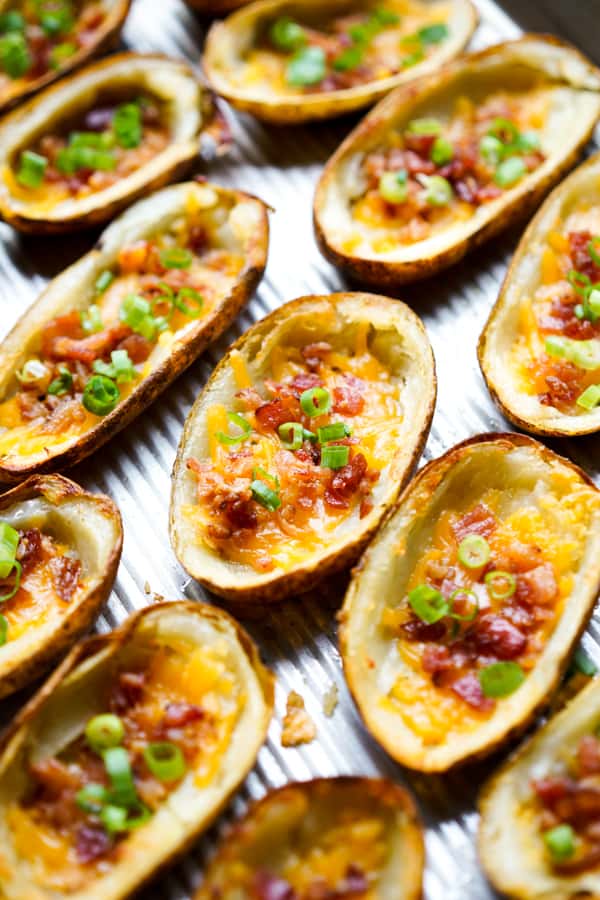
(298, 640)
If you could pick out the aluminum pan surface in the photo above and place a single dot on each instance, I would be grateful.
(281, 165)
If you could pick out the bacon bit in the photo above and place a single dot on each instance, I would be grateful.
(582, 261)
(138, 348)
(353, 882)
(479, 520)
(314, 353)
(588, 755)
(29, 549)
(276, 412)
(563, 380)
(366, 507)
(304, 381)
(467, 687)
(99, 119)
(127, 692)
(178, 715)
(436, 658)
(420, 143)
(92, 842)
(239, 512)
(65, 571)
(416, 630)
(298, 727)
(133, 257)
(466, 189)
(197, 240)
(415, 164)
(487, 192)
(348, 397)
(345, 482)
(551, 789)
(89, 348)
(54, 777)
(561, 319)
(537, 587)
(496, 635)
(271, 887)
(68, 325)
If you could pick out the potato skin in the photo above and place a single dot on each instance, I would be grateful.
(178, 360)
(110, 644)
(245, 597)
(388, 274)
(216, 7)
(332, 792)
(423, 487)
(79, 618)
(586, 424)
(212, 138)
(107, 38)
(293, 110)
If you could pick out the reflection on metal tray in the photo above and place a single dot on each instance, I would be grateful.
(281, 165)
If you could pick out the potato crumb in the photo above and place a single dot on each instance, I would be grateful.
(298, 727)
(330, 699)
(147, 588)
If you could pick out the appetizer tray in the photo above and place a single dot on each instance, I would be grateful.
(298, 638)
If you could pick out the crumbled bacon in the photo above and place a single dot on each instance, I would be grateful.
(495, 635)
(276, 412)
(98, 119)
(127, 691)
(479, 520)
(239, 512)
(563, 383)
(353, 882)
(29, 549)
(92, 842)
(178, 715)
(468, 688)
(420, 143)
(314, 354)
(348, 397)
(538, 586)
(345, 482)
(271, 887)
(305, 381)
(580, 254)
(137, 347)
(416, 630)
(436, 658)
(561, 319)
(588, 755)
(198, 241)
(65, 572)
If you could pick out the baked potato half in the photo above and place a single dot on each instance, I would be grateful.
(341, 836)
(128, 752)
(40, 42)
(84, 149)
(540, 349)
(538, 834)
(60, 549)
(301, 440)
(115, 328)
(461, 616)
(444, 163)
(291, 61)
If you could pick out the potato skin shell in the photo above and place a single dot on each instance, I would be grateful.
(95, 644)
(389, 274)
(56, 488)
(250, 601)
(529, 425)
(162, 376)
(425, 482)
(215, 7)
(108, 37)
(245, 829)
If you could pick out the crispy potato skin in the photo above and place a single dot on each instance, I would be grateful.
(334, 792)
(110, 643)
(216, 7)
(250, 599)
(107, 38)
(212, 139)
(423, 487)
(587, 424)
(79, 617)
(182, 356)
(388, 274)
(312, 107)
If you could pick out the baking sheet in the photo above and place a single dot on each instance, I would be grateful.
(281, 165)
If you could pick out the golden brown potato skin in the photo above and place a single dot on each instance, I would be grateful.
(274, 821)
(80, 616)
(107, 37)
(389, 273)
(184, 353)
(216, 7)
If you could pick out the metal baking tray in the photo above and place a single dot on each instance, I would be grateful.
(297, 639)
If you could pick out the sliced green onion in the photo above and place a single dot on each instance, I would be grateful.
(591, 304)
(491, 149)
(73, 158)
(442, 152)
(176, 258)
(349, 59)
(437, 190)
(510, 171)
(413, 59)
(590, 398)
(15, 58)
(258, 471)
(315, 402)
(428, 603)
(335, 456)
(91, 798)
(266, 496)
(471, 596)
(500, 585)
(291, 435)
(393, 186)
(62, 52)
(136, 312)
(63, 384)
(32, 168)
(91, 319)
(193, 297)
(424, 126)
(9, 541)
(97, 141)
(116, 819)
(579, 281)
(118, 769)
(287, 35)
(120, 368)
(332, 432)
(3, 630)
(594, 250)
(16, 565)
(242, 423)
(385, 16)
(433, 34)
(100, 395)
(503, 129)
(527, 141)
(104, 731)
(501, 679)
(560, 842)
(581, 662)
(127, 125)
(12, 21)
(474, 551)
(55, 16)
(585, 354)
(104, 281)
(165, 761)
(306, 67)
